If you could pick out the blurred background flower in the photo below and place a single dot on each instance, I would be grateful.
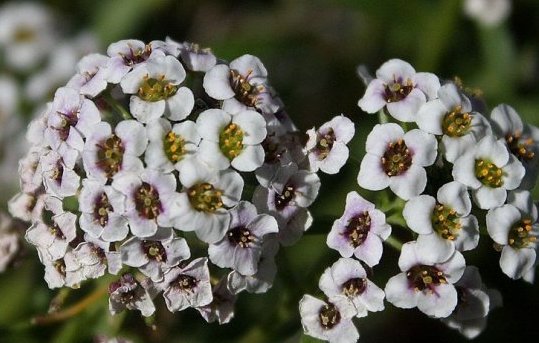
(311, 49)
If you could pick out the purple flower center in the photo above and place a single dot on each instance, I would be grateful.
(354, 287)
(58, 172)
(273, 150)
(69, 119)
(110, 155)
(154, 250)
(358, 229)
(398, 90)
(397, 158)
(137, 56)
(147, 201)
(185, 283)
(102, 208)
(60, 266)
(57, 232)
(282, 200)
(241, 237)
(329, 316)
(421, 277)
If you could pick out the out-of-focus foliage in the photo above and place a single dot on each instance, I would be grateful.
(312, 49)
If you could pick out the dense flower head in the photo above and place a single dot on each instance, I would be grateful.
(124, 166)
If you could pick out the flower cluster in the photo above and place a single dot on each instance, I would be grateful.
(179, 172)
(454, 174)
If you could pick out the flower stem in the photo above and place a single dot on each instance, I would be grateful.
(382, 116)
(394, 243)
(73, 310)
(117, 107)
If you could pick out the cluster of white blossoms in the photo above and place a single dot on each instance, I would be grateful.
(459, 174)
(179, 172)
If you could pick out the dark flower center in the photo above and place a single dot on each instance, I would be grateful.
(137, 56)
(521, 147)
(110, 155)
(423, 277)
(60, 266)
(244, 91)
(358, 229)
(185, 283)
(69, 119)
(58, 172)
(147, 201)
(520, 235)
(282, 200)
(57, 232)
(397, 158)
(329, 316)
(154, 250)
(324, 144)
(354, 287)
(488, 173)
(205, 197)
(398, 90)
(456, 123)
(446, 222)
(102, 208)
(241, 237)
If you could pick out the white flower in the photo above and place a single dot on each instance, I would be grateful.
(241, 247)
(241, 84)
(124, 56)
(326, 146)
(521, 139)
(106, 153)
(205, 200)
(514, 227)
(359, 231)
(451, 115)
(330, 321)
(443, 224)
(57, 172)
(102, 207)
(129, 293)
(197, 58)
(156, 88)
(72, 117)
(397, 159)
(265, 274)
(347, 277)
(474, 304)
(65, 271)
(425, 283)
(90, 79)
(232, 140)
(400, 89)
(170, 146)
(187, 286)
(52, 239)
(156, 254)
(221, 309)
(489, 169)
(488, 12)
(151, 200)
(26, 34)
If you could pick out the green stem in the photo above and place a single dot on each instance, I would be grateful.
(394, 243)
(117, 107)
(382, 116)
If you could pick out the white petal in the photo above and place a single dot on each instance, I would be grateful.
(500, 221)
(487, 198)
(371, 175)
(380, 137)
(515, 263)
(455, 195)
(251, 157)
(423, 147)
(440, 303)
(409, 184)
(217, 82)
(430, 117)
(418, 212)
(399, 293)
(374, 98)
(406, 109)
(180, 105)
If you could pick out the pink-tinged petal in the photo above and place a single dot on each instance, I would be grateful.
(406, 109)
(370, 251)
(395, 69)
(371, 175)
(423, 147)
(517, 262)
(430, 117)
(343, 128)
(133, 135)
(381, 136)
(418, 213)
(336, 159)
(439, 303)
(374, 99)
(132, 253)
(409, 184)
(338, 241)
(399, 293)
